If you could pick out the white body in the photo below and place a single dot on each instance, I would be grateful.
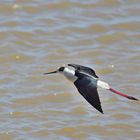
(69, 74)
(101, 84)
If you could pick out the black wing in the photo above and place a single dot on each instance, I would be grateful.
(84, 69)
(87, 87)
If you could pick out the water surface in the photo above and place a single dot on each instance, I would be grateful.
(37, 37)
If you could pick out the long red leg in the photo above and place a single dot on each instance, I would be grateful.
(122, 94)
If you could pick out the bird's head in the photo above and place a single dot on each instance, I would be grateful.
(59, 70)
(68, 73)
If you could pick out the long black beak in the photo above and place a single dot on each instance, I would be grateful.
(50, 72)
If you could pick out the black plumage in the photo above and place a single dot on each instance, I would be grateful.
(87, 87)
(84, 69)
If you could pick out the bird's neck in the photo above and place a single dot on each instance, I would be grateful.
(70, 74)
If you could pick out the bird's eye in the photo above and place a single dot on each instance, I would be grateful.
(61, 69)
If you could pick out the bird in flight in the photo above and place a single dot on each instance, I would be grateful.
(87, 83)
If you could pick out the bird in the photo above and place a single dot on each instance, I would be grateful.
(87, 83)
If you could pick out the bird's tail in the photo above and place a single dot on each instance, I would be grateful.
(105, 85)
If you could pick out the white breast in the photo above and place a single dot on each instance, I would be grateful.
(69, 74)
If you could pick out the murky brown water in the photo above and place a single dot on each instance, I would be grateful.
(38, 36)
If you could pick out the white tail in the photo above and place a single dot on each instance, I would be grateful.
(103, 85)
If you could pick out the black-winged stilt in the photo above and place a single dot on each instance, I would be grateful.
(87, 82)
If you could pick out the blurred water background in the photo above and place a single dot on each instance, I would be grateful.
(37, 36)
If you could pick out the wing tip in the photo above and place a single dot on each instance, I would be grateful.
(101, 111)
